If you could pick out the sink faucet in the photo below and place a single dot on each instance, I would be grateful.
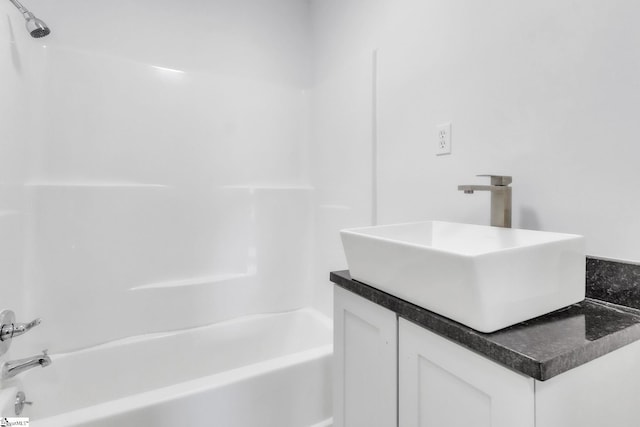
(12, 368)
(500, 198)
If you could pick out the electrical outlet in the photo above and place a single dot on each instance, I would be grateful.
(444, 139)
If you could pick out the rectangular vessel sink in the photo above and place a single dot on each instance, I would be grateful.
(484, 277)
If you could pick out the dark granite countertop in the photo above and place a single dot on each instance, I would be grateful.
(540, 348)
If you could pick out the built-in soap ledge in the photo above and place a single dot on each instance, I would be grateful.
(268, 187)
(212, 280)
(92, 184)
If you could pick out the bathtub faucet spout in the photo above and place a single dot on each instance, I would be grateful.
(14, 367)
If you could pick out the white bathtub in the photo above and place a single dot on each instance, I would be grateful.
(262, 371)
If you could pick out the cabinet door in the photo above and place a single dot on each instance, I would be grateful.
(365, 362)
(602, 392)
(442, 384)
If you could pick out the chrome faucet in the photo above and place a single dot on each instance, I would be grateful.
(14, 367)
(10, 329)
(500, 198)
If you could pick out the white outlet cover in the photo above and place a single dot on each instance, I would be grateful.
(443, 139)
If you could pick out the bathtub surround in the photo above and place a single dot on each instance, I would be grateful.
(156, 180)
(159, 181)
(18, 95)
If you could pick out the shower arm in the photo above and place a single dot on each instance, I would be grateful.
(21, 8)
(36, 27)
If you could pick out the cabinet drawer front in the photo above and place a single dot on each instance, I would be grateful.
(442, 384)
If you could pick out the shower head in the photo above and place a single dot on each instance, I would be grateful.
(36, 27)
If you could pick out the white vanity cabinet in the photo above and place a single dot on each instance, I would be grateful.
(391, 372)
(365, 368)
(443, 384)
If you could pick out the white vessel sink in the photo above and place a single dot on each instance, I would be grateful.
(486, 278)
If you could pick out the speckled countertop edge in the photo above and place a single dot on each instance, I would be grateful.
(620, 326)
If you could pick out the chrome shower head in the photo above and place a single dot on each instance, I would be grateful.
(36, 27)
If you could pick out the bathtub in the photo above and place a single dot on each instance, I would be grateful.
(263, 371)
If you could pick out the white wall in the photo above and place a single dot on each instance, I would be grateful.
(544, 91)
(168, 181)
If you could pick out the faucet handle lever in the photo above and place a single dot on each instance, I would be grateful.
(21, 328)
(9, 328)
(500, 180)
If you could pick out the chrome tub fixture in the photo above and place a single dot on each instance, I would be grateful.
(14, 367)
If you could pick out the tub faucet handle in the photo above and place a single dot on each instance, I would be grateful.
(21, 328)
(10, 329)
